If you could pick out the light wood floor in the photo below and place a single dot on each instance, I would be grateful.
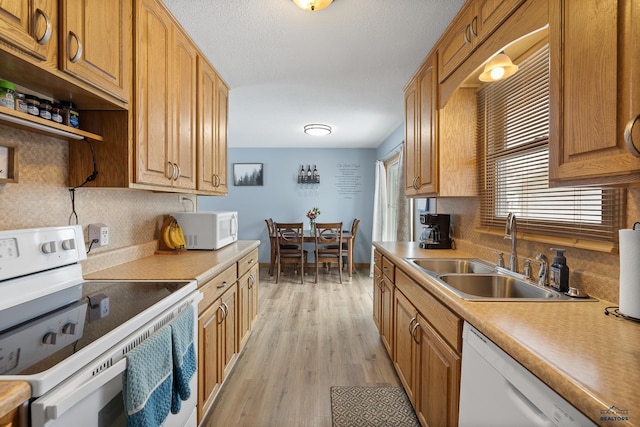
(308, 337)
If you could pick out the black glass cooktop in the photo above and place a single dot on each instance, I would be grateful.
(40, 343)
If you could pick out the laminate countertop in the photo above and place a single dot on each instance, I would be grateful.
(12, 395)
(188, 265)
(589, 358)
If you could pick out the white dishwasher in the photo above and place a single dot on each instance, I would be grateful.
(495, 390)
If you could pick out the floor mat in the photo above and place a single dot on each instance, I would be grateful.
(371, 407)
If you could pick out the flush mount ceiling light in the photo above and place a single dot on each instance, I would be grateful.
(312, 5)
(317, 129)
(500, 67)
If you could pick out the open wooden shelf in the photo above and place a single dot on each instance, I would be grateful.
(27, 121)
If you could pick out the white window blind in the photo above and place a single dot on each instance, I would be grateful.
(513, 130)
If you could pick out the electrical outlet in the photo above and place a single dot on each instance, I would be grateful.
(183, 198)
(99, 232)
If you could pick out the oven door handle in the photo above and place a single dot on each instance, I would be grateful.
(56, 410)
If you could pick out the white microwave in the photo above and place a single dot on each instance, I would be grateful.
(208, 230)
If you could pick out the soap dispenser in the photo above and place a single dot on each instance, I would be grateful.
(559, 277)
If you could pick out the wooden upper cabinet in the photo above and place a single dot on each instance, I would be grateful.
(491, 13)
(185, 83)
(165, 104)
(473, 24)
(421, 133)
(95, 44)
(594, 67)
(153, 138)
(458, 41)
(30, 28)
(212, 130)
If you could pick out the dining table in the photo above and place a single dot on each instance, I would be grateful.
(309, 237)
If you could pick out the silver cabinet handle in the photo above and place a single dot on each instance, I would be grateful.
(75, 58)
(413, 332)
(226, 309)
(175, 165)
(466, 37)
(413, 319)
(170, 171)
(253, 281)
(48, 30)
(628, 136)
(221, 308)
(222, 285)
(474, 34)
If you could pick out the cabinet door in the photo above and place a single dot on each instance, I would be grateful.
(404, 349)
(153, 101)
(220, 170)
(377, 297)
(491, 13)
(437, 373)
(228, 330)
(421, 132)
(184, 111)
(428, 144)
(458, 41)
(209, 374)
(96, 46)
(411, 137)
(31, 28)
(248, 288)
(587, 144)
(387, 289)
(212, 130)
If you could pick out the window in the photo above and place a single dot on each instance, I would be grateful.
(513, 130)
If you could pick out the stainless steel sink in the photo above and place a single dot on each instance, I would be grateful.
(497, 287)
(452, 265)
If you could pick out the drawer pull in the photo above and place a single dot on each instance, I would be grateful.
(628, 136)
(222, 285)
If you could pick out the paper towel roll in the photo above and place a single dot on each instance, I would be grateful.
(630, 273)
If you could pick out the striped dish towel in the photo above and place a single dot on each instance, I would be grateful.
(184, 357)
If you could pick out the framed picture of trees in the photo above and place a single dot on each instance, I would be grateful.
(247, 174)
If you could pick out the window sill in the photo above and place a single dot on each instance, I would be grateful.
(563, 242)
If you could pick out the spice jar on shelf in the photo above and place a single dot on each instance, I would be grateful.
(45, 109)
(7, 89)
(70, 115)
(56, 112)
(21, 102)
(33, 105)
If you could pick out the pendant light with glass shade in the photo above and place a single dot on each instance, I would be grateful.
(498, 68)
(312, 5)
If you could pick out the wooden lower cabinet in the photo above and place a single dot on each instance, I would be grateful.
(227, 315)
(248, 288)
(209, 378)
(437, 369)
(426, 351)
(405, 348)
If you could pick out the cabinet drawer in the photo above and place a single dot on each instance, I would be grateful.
(216, 286)
(247, 262)
(388, 268)
(377, 259)
(443, 320)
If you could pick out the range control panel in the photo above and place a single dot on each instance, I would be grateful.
(32, 250)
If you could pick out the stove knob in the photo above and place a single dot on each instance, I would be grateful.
(49, 338)
(69, 244)
(69, 328)
(48, 247)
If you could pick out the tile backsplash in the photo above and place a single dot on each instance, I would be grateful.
(41, 198)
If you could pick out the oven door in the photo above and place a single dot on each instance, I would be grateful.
(98, 402)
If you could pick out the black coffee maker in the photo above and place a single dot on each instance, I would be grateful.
(436, 231)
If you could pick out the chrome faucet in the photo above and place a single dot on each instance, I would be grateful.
(543, 273)
(510, 231)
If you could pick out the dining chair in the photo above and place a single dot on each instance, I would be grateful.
(328, 245)
(290, 247)
(345, 246)
(271, 232)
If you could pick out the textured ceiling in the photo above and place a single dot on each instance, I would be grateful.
(344, 66)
